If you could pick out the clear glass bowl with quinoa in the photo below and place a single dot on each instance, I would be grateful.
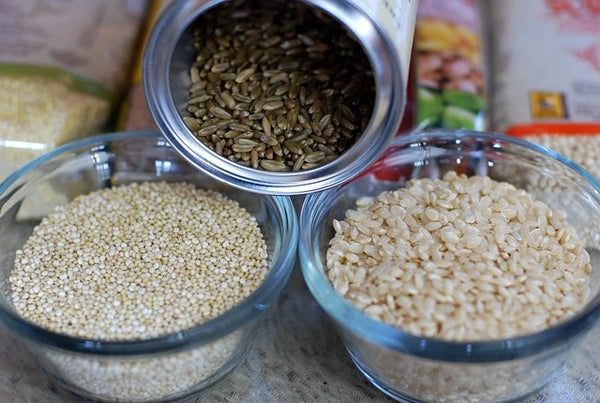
(149, 280)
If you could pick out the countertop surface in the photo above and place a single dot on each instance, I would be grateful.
(297, 357)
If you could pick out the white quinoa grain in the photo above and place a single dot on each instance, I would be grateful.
(459, 258)
(138, 261)
(581, 149)
(135, 262)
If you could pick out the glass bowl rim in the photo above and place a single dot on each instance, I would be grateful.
(360, 324)
(206, 332)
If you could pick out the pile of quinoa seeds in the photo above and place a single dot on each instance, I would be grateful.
(277, 88)
(459, 258)
(138, 261)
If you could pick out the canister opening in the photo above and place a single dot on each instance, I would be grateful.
(170, 53)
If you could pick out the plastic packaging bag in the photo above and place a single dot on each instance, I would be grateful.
(546, 60)
(449, 63)
(63, 67)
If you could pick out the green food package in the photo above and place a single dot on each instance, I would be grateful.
(63, 71)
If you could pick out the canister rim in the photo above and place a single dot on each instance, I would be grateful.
(161, 65)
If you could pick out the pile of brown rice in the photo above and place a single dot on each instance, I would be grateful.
(459, 258)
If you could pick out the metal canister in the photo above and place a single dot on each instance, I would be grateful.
(384, 29)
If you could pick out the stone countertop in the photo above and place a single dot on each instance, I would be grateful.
(297, 356)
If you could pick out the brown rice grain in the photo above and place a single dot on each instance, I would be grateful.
(422, 259)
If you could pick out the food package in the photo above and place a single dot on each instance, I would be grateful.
(546, 78)
(134, 113)
(546, 60)
(63, 67)
(450, 65)
(408, 122)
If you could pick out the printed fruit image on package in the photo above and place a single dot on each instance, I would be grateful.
(448, 53)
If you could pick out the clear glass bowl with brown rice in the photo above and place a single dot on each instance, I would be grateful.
(425, 309)
(156, 356)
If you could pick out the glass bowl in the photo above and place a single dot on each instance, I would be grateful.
(412, 368)
(162, 368)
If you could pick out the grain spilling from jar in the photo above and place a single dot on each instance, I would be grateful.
(138, 261)
(459, 258)
(285, 77)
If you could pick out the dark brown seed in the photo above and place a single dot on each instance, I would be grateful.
(347, 112)
(245, 74)
(254, 158)
(256, 54)
(241, 98)
(293, 43)
(310, 165)
(298, 163)
(294, 147)
(242, 106)
(198, 86)
(318, 139)
(194, 74)
(199, 99)
(191, 123)
(327, 93)
(266, 126)
(277, 150)
(278, 77)
(308, 41)
(271, 106)
(269, 140)
(228, 76)
(228, 100)
(246, 142)
(315, 156)
(255, 93)
(224, 124)
(241, 148)
(282, 123)
(302, 135)
(316, 106)
(219, 147)
(325, 149)
(219, 112)
(348, 124)
(220, 67)
(232, 134)
(207, 131)
(324, 121)
(289, 66)
(239, 127)
(220, 101)
(270, 73)
(272, 165)
(201, 112)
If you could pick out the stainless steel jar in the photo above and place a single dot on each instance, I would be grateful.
(384, 29)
